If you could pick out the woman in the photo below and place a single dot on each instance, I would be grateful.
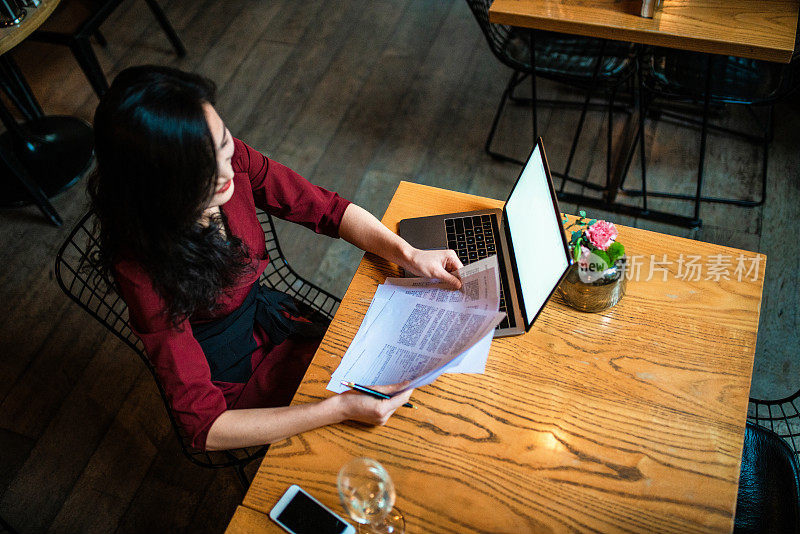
(175, 196)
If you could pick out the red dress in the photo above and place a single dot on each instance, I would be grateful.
(176, 355)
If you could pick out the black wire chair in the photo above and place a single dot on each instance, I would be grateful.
(780, 416)
(60, 29)
(78, 274)
(705, 81)
(586, 63)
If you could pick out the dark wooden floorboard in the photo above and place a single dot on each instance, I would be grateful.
(98, 499)
(777, 365)
(421, 113)
(370, 117)
(62, 452)
(16, 449)
(41, 389)
(452, 161)
(168, 496)
(293, 86)
(33, 303)
(357, 95)
(302, 144)
(320, 121)
(224, 492)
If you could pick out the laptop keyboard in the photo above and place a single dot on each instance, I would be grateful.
(475, 238)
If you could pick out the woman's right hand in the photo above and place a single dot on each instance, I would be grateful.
(364, 408)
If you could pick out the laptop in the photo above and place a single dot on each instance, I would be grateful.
(527, 235)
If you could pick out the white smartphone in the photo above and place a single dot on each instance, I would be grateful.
(300, 513)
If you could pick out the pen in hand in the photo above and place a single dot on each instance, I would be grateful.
(372, 392)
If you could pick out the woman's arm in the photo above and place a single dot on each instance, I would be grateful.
(283, 193)
(234, 429)
(362, 229)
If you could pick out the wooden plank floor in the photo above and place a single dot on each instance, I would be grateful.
(356, 95)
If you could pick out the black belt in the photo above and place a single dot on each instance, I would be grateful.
(228, 342)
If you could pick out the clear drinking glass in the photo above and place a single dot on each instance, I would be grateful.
(367, 493)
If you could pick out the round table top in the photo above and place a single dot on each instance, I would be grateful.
(12, 36)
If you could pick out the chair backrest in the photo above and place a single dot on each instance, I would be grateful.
(78, 273)
(497, 35)
(280, 275)
(561, 57)
(734, 80)
(781, 416)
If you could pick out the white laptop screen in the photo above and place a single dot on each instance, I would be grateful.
(536, 235)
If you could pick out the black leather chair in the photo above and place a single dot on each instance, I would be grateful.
(77, 273)
(592, 65)
(75, 21)
(769, 485)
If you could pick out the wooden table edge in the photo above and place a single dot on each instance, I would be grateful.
(12, 36)
(642, 36)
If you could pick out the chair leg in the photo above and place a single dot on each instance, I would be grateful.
(17, 89)
(764, 141)
(610, 134)
(513, 82)
(87, 60)
(703, 137)
(100, 38)
(167, 27)
(582, 118)
(705, 125)
(532, 45)
(16, 168)
(768, 132)
(242, 476)
(638, 90)
(642, 156)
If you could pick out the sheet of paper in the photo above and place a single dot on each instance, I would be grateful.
(411, 337)
(416, 330)
(480, 288)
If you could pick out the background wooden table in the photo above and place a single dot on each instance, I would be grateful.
(626, 420)
(13, 35)
(759, 30)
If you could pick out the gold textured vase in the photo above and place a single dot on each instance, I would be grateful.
(598, 294)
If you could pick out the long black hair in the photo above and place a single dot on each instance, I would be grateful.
(156, 172)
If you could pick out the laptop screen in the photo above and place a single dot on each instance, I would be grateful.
(537, 238)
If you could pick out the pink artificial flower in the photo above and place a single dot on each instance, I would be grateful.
(601, 234)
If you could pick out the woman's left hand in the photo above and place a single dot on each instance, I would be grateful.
(440, 264)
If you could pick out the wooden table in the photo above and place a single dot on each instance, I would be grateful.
(759, 30)
(627, 420)
(13, 35)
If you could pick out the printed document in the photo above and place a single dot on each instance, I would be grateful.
(416, 330)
